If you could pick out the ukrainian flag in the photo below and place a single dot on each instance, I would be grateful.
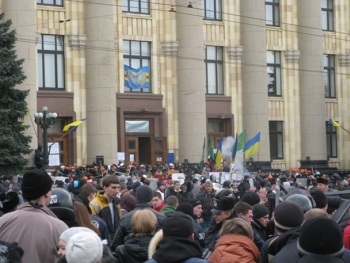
(333, 123)
(136, 78)
(218, 155)
(73, 125)
(252, 146)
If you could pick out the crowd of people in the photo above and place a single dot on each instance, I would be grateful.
(114, 213)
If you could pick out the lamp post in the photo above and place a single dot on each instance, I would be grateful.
(45, 119)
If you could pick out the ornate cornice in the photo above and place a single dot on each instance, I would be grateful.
(77, 41)
(170, 47)
(292, 56)
(234, 53)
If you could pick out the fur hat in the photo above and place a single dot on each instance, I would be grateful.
(144, 194)
(320, 198)
(186, 208)
(177, 224)
(320, 236)
(301, 200)
(321, 180)
(260, 211)
(224, 203)
(195, 202)
(35, 183)
(84, 246)
(10, 252)
(288, 215)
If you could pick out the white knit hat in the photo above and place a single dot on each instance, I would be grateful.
(72, 231)
(86, 246)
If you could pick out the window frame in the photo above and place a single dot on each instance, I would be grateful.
(327, 12)
(276, 129)
(58, 56)
(276, 66)
(41, 2)
(217, 12)
(219, 70)
(128, 8)
(274, 5)
(332, 140)
(130, 57)
(329, 76)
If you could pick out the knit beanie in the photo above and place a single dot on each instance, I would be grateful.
(288, 215)
(144, 194)
(177, 224)
(10, 252)
(301, 200)
(260, 211)
(320, 236)
(35, 183)
(72, 231)
(185, 208)
(84, 246)
(320, 198)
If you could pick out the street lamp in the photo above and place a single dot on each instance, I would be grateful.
(45, 119)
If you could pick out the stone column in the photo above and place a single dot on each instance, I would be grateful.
(101, 80)
(254, 84)
(191, 80)
(311, 85)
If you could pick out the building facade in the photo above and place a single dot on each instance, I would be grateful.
(209, 68)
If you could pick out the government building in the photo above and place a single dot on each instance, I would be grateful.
(153, 79)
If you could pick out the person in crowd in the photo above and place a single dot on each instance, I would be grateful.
(84, 247)
(207, 199)
(161, 187)
(171, 204)
(244, 186)
(38, 157)
(10, 252)
(221, 212)
(135, 247)
(144, 195)
(83, 218)
(320, 240)
(106, 204)
(288, 218)
(175, 190)
(322, 184)
(235, 243)
(198, 231)
(9, 202)
(44, 228)
(197, 210)
(127, 202)
(174, 243)
(301, 200)
(260, 220)
(62, 242)
(157, 201)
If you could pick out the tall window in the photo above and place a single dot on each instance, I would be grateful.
(329, 75)
(214, 70)
(50, 2)
(332, 145)
(272, 12)
(276, 139)
(51, 62)
(327, 15)
(274, 80)
(137, 66)
(136, 6)
(212, 9)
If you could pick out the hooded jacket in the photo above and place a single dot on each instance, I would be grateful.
(231, 248)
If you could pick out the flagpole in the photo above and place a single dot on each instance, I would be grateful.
(57, 140)
(344, 129)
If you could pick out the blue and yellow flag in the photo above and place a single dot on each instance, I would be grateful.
(136, 78)
(252, 146)
(73, 125)
(333, 123)
(218, 156)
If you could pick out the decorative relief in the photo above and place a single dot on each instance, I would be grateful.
(234, 53)
(77, 41)
(170, 48)
(344, 60)
(292, 56)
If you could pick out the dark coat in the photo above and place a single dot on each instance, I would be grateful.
(207, 200)
(124, 228)
(135, 249)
